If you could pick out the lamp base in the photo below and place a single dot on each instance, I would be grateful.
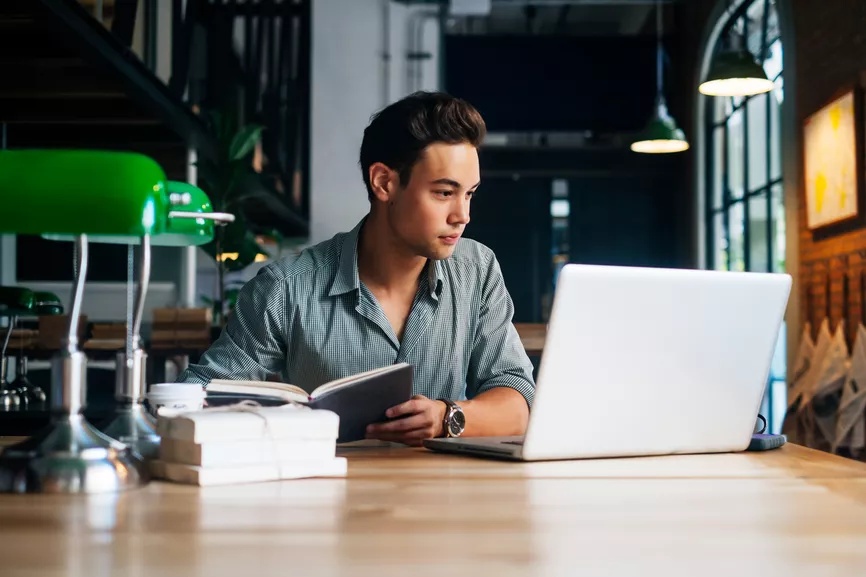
(70, 456)
(134, 427)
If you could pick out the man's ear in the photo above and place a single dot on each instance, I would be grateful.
(383, 181)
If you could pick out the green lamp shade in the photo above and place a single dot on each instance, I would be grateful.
(15, 301)
(22, 302)
(81, 192)
(735, 73)
(178, 231)
(46, 303)
(661, 134)
(187, 231)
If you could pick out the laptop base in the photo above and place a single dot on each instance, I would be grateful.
(508, 448)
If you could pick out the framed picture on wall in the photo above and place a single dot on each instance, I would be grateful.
(832, 152)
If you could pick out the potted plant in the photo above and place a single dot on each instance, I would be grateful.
(225, 177)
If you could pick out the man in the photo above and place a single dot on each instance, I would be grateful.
(402, 286)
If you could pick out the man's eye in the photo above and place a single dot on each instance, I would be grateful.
(444, 192)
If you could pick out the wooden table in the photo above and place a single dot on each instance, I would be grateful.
(407, 512)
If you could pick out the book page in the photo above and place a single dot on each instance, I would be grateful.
(347, 381)
(265, 388)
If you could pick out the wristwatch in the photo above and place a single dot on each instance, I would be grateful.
(455, 421)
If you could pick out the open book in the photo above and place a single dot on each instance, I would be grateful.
(359, 400)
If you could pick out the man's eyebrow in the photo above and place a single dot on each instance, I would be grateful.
(453, 183)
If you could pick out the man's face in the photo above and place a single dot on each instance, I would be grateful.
(428, 215)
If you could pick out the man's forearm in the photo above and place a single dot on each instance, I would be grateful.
(498, 412)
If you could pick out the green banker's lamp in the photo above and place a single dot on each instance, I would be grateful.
(189, 222)
(80, 193)
(22, 302)
(14, 301)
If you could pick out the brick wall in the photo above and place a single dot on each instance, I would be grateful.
(830, 42)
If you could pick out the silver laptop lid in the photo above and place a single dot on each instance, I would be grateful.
(642, 361)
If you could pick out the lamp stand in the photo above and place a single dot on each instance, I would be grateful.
(70, 455)
(133, 425)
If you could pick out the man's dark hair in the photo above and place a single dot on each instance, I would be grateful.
(399, 133)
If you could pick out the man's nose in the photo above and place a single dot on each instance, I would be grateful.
(460, 213)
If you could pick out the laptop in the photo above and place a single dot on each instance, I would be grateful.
(647, 361)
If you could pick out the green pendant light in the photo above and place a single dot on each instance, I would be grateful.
(661, 134)
(735, 72)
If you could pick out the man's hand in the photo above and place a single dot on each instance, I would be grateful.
(417, 419)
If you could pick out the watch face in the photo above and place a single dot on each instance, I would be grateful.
(458, 423)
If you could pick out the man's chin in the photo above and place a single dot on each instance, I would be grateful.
(440, 253)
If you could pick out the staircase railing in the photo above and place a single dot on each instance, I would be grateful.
(252, 56)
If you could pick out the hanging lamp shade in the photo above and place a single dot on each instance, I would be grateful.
(735, 73)
(661, 134)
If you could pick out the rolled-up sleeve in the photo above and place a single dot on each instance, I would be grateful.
(253, 345)
(498, 357)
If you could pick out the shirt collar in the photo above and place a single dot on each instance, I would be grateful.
(347, 272)
(347, 278)
(434, 278)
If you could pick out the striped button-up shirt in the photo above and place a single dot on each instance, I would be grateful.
(309, 320)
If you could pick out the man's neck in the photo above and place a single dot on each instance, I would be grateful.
(383, 265)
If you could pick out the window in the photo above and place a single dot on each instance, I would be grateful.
(745, 216)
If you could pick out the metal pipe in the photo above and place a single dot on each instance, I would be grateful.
(416, 45)
(219, 217)
(77, 292)
(130, 296)
(143, 282)
(386, 52)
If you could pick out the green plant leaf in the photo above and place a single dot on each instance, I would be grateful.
(244, 141)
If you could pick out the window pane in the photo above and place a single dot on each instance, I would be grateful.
(757, 129)
(776, 133)
(720, 109)
(779, 91)
(778, 229)
(758, 240)
(773, 20)
(735, 154)
(755, 15)
(720, 244)
(738, 241)
(773, 60)
(718, 165)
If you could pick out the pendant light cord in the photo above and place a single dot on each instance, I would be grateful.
(659, 48)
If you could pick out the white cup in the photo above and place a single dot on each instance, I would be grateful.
(175, 397)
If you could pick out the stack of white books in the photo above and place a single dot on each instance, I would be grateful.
(241, 444)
